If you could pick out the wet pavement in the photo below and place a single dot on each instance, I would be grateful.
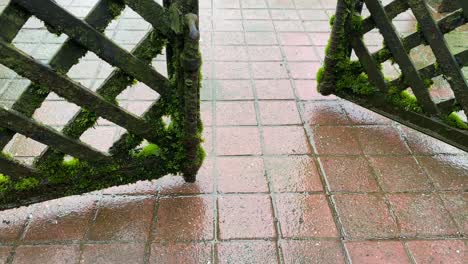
(290, 176)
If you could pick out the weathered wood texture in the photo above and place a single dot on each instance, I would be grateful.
(448, 6)
(67, 56)
(176, 147)
(32, 129)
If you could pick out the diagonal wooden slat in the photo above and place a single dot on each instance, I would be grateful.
(394, 43)
(96, 42)
(445, 59)
(32, 129)
(446, 25)
(72, 91)
(149, 47)
(14, 169)
(447, 107)
(431, 71)
(153, 13)
(127, 141)
(12, 19)
(393, 9)
(169, 47)
(369, 64)
(67, 56)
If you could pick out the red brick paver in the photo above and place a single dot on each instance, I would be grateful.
(448, 251)
(47, 254)
(246, 216)
(252, 251)
(175, 253)
(378, 252)
(114, 253)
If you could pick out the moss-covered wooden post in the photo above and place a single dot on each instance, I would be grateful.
(336, 45)
(188, 78)
(191, 62)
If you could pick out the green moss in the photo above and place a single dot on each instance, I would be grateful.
(332, 20)
(115, 9)
(405, 100)
(455, 120)
(348, 75)
(428, 83)
(73, 162)
(327, 48)
(4, 183)
(383, 55)
(358, 84)
(319, 75)
(26, 184)
(6, 155)
(149, 150)
(356, 23)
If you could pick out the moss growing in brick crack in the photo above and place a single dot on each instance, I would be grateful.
(455, 120)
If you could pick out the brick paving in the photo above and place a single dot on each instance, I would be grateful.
(291, 176)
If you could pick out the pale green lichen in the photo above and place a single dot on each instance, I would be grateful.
(149, 150)
(405, 100)
(456, 121)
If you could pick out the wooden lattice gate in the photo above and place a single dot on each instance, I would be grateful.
(175, 144)
(363, 82)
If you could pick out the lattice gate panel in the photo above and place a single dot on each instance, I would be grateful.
(175, 146)
(363, 82)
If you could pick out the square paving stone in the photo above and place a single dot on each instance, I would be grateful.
(365, 216)
(245, 216)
